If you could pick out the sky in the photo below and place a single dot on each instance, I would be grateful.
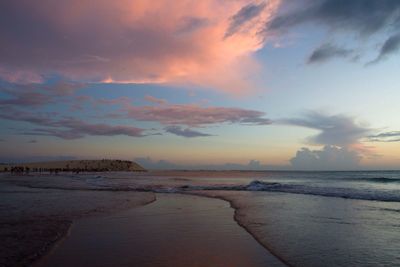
(211, 84)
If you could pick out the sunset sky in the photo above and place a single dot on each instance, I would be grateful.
(279, 84)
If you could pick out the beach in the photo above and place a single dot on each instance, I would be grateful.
(67, 221)
(216, 133)
(175, 230)
(197, 218)
(33, 220)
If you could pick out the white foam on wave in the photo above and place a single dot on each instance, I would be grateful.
(350, 193)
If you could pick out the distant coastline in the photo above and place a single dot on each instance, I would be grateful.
(76, 166)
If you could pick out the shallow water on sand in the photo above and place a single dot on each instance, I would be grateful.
(309, 230)
(176, 230)
(305, 218)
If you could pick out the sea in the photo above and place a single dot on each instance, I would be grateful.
(303, 218)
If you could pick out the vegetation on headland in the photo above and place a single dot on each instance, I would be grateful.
(75, 166)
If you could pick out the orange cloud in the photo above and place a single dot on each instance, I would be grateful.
(205, 43)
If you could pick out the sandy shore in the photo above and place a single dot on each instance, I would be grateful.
(227, 196)
(37, 209)
(175, 230)
(32, 220)
(46, 213)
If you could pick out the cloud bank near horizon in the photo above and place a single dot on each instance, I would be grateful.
(341, 137)
(254, 165)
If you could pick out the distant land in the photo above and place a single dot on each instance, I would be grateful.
(74, 166)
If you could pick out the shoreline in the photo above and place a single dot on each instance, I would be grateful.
(235, 215)
(36, 220)
(33, 205)
(183, 210)
(52, 246)
(48, 248)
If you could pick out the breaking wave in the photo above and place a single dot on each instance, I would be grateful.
(379, 180)
(350, 193)
(389, 192)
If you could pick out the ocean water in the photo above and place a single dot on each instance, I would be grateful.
(303, 218)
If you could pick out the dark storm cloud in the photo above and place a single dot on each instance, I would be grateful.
(328, 51)
(185, 132)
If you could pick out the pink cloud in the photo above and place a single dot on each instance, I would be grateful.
(206, 43)
(81, 129)
(68, 128)
(36, 95)
(63, 88)
(20, 76)
(155, 100)
(32, 99)
(123, 100)
(77, 128)
(178, 119)
(194, 115)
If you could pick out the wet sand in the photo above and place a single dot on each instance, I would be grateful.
(37, 210)
(32, 220)
(176, 230)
